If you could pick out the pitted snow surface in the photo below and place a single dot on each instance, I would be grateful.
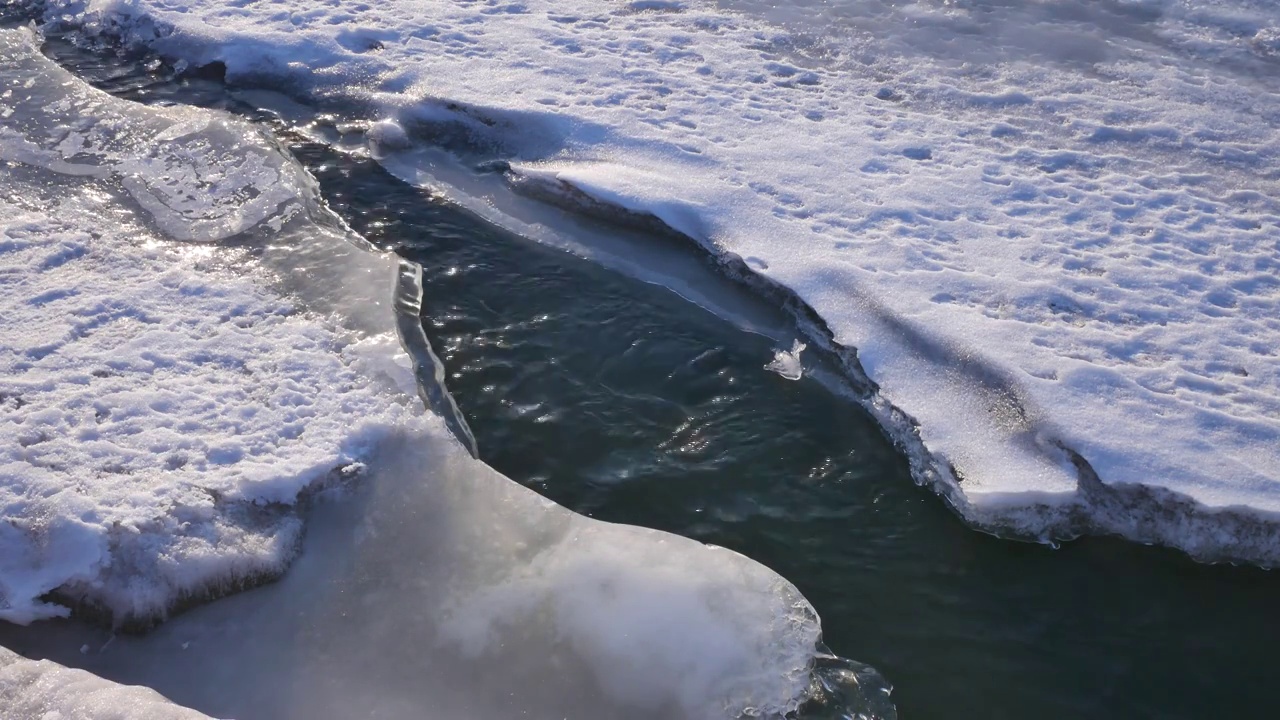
(1046, 229)
(160, 414)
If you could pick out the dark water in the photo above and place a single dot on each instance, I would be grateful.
(624, 402)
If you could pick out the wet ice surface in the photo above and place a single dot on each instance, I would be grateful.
(1039, 256)
(241, 379)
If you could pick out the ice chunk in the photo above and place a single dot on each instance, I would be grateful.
(787, 362)
(151, 403)
(386, 136)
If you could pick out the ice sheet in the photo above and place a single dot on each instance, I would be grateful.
(440, 589)
(1049, 231)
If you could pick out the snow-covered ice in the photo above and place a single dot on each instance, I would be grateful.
(161, 414)
(45, 689)
(1049, 230)
(196, 357)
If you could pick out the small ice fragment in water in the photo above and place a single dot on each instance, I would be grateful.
(787, 363)
(387, 136)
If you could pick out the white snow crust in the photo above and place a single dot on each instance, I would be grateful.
(168, 401)
(156, 407)
(1050, 230)
(45, 689)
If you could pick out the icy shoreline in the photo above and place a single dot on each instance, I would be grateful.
(1040, 270)
(1150, 515)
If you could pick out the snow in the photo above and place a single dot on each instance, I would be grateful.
(44, 689)
(173, 407)
(1048, 230)
(158, 409)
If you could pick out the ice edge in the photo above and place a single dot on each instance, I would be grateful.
(1143, 514)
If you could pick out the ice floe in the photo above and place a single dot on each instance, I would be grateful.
(45, 689)
(439, 588)
(162, 414)
(787, 362)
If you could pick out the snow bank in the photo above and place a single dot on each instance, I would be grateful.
(1049, 231)
(44, 689)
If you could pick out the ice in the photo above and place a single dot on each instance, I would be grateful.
(787, 362)
(44, 689)
(1048, 230)
(440, 589)
(187, 381)
(162, 414)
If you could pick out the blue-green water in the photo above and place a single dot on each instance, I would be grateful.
(625, 402)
